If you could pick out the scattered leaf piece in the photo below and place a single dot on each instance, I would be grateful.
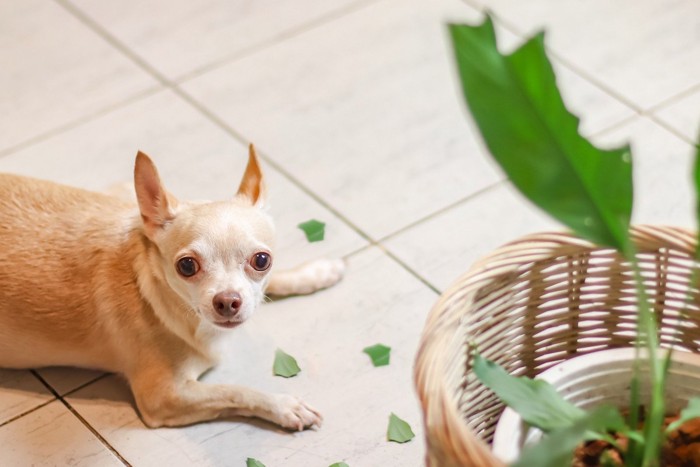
(250, 462)
(379, 354)
(285, 365)
(339, 464)
(314, 230)
(399, 431)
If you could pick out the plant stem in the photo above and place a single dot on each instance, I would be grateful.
(648, 331)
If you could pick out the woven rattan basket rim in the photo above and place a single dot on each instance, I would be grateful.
(450, 441)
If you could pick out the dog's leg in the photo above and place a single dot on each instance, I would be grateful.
(193, 401)
(307, 278)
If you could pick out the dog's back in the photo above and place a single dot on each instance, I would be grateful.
(57, 244)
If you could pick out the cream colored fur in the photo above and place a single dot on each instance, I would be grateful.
(91, 280)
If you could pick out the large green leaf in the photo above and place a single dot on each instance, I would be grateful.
(526, 127)
(536, 401)
(557, 448)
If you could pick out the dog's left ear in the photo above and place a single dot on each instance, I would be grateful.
(157, 205)
(253, 184)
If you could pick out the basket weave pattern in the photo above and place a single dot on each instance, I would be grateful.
(534, 303)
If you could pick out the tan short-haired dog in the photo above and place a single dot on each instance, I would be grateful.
(91, 280)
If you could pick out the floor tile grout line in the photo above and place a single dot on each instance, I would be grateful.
(313, 24)
(615, 126)
(470, 197)
(673, 99)
(27, 412)
(115, 42)
(145, 94)
(409, 269)
(85, 384)
(75, 413)
(394, 258)
(662, 123)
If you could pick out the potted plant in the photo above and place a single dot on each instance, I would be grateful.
(546, 299)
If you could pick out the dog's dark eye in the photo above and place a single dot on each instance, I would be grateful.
(187, 266)
(261, 261)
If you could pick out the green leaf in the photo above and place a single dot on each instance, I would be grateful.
(339, 464)
(536, 401)
(379, 354)
(528, 130)
(691, 411)
(285, 365)
(399, 431)
(250, 462)
(557, 448)
(314, 230)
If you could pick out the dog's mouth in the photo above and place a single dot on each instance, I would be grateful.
(228, 324)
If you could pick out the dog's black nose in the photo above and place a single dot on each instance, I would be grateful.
(227, 304)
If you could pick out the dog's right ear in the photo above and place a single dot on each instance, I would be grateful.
(157, 207)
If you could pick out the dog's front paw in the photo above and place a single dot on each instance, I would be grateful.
(294, 414)
(325, 272)
(307, 278)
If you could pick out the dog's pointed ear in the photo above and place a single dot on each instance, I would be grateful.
(156, 205)
(253, 183)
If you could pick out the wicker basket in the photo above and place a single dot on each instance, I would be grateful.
(534, 303)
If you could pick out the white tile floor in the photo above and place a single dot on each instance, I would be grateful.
(354, 107)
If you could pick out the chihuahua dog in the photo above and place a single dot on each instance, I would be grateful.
(144, 289)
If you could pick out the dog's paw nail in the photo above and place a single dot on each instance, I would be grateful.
(294, 414)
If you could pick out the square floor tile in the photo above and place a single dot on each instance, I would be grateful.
(643, 50)
(20, 391)
(378, 301)
(52, 435)
(196, 160)
(180, 36)
(55, 71)
(366, 112)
